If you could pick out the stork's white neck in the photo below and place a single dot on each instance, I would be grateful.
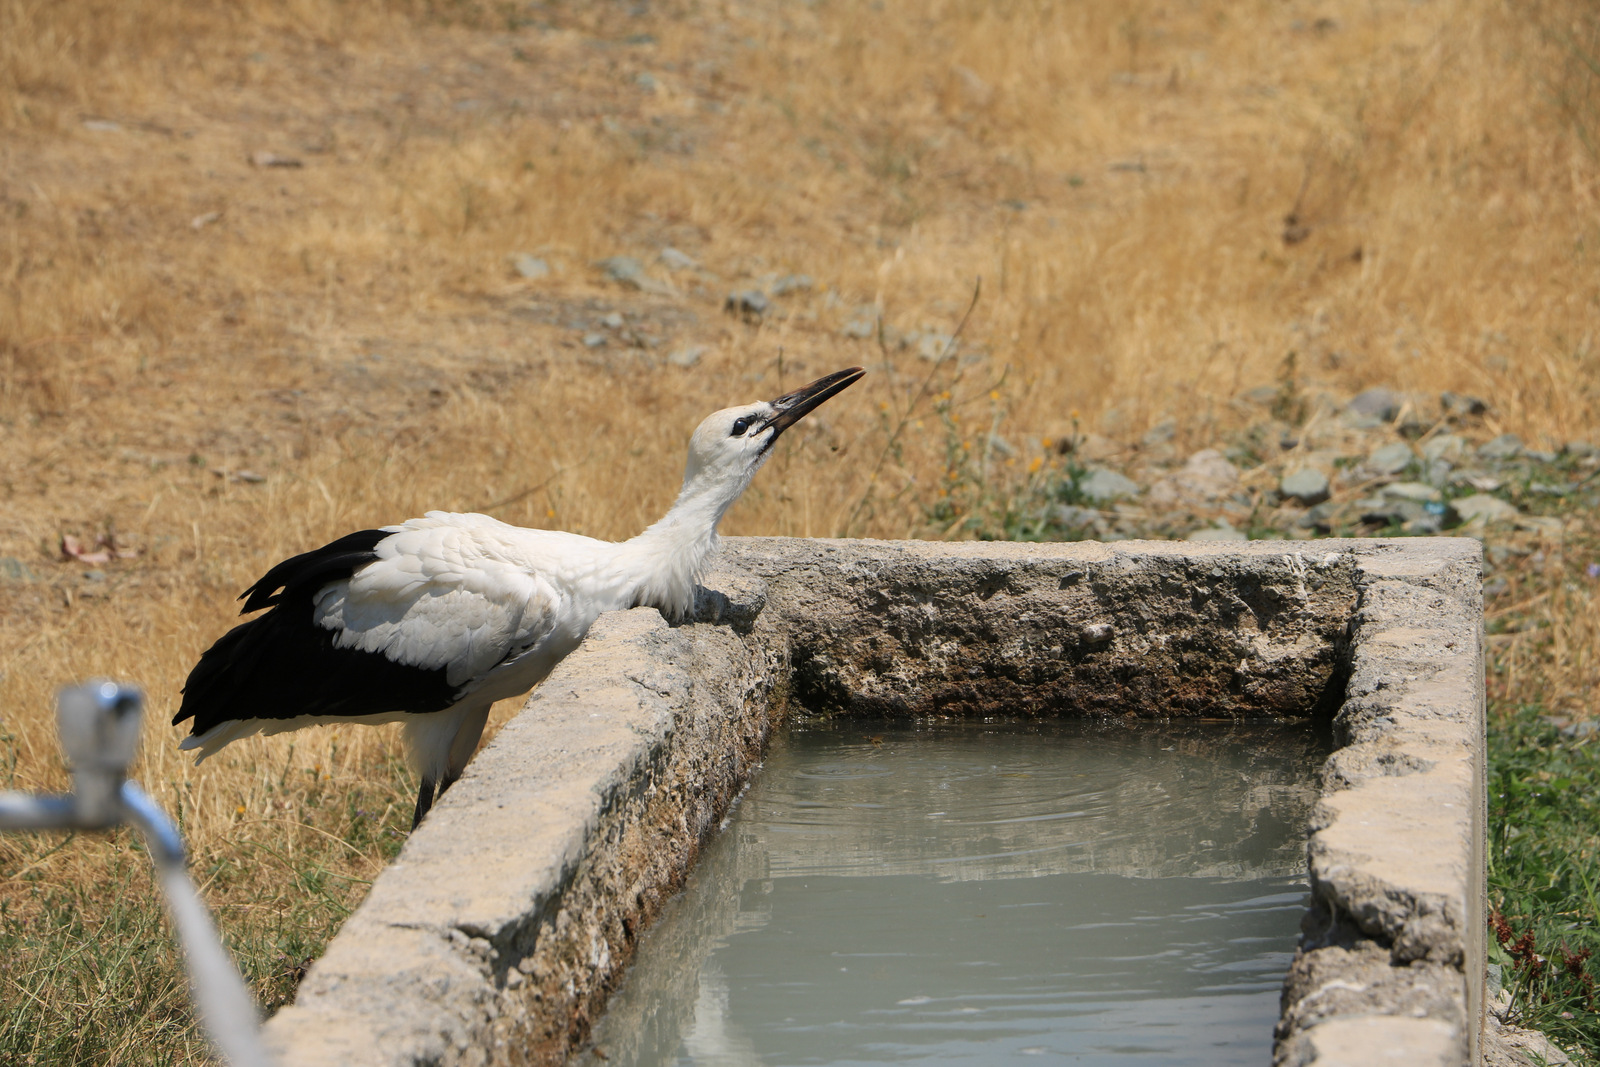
(667, 558)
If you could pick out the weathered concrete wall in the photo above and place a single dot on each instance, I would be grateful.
(509, 915)
(1154, 629)
(1396, 928)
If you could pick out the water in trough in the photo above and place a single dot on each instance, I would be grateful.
(975, 893)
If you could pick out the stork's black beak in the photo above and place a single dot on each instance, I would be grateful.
(792, 407)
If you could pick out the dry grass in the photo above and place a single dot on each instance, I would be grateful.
(1118, 174)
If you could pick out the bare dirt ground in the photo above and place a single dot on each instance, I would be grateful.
(282, 270)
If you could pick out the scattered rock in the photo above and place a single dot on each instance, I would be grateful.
(1206, 477)
(1460, 404)
(1098, 633)
(673, 259)
(1265, 395)
(102, 126)
(1220, 532)
(1538, 455)
(1446, 446)
(1160, 433)
(1483, 483)
(625, 270)
(747, 303)
(687, 355)
(1496, 587)
(1489, 509)
(1382, 404)
(1423, 526)
(594, 340)
(14, 570)
(1391, 458)
(530, 267)
(200, 222)
(1101, 485)
(1072, 516)
(1506, 446)
(1580, 449)
(860, 329)
(612, 320)
(646, 81)
(1412, 491)
(1306, 486)
(1319, 517)
(1387, 510)
(935, 346)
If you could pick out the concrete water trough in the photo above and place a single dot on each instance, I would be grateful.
(509, 917)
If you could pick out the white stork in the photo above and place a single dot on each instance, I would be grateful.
(431, 621)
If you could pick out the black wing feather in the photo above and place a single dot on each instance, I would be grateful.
(282, 664)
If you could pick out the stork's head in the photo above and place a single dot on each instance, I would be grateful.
(731, 444)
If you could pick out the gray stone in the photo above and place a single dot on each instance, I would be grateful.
(531, 267)
(1412, 491)
(1476, 479)
(1506, 446)
(1391, 458)
(1387, 510)
(1204, 479)
(1101, 485)
(935, 346)
(687, 355)
(1160, 433)
(1424, 526)
(594, 340)
(1305, 486)
(14, 570)
(612, 320)
(860, 329)
(1485, 508)
(673, 259)
(1220, 532)
(627, 271)
(1382, 404)
(1074, 517)
(750, 303)
(1446, 446)
(1460, 404)
(1580, 449)
(1538, 455)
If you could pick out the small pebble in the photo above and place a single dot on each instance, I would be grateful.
(1391, 458)
(1306, 486)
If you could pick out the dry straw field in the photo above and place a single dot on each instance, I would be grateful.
(258, 289)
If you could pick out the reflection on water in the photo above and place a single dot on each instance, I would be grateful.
(975, 893)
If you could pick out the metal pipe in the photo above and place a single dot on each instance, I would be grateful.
(99, 725)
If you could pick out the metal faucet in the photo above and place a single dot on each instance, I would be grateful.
(99, 725)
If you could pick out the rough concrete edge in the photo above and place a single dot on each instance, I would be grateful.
(617, 768)
(423, 975)
(1396, 857)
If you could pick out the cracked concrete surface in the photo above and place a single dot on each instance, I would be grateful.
(510, 915)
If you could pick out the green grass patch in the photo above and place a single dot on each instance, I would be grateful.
(1544, 873)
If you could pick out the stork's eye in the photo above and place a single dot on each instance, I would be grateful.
(741, 425)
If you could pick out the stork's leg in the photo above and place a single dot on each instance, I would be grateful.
(464, 745)
(424, 801)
